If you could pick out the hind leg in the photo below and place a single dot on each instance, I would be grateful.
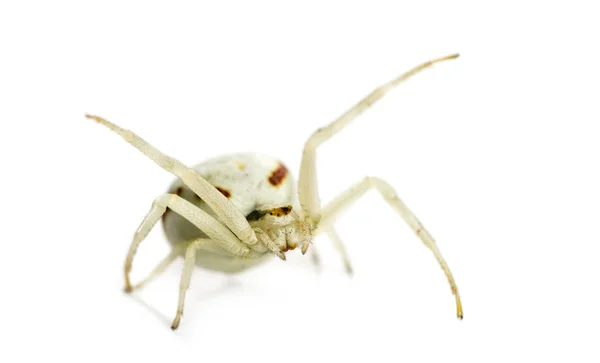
(162, 266)
(352, 194)
(207, 224)
(201, 244)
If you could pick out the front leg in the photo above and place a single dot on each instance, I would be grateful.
(351, 195)
(308, 192)
(223, 208)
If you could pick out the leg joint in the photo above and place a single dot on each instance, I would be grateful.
(164, 200)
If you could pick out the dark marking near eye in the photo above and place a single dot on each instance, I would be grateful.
(276, 212)
(178, 191)
(225, 192)
(255, 215)
(278, 175)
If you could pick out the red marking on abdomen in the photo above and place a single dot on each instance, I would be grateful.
(278, 175)
(225, 192)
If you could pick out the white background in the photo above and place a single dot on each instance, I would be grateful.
(497, 153)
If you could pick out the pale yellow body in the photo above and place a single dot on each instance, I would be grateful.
(232, 212)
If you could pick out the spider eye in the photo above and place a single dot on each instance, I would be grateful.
(281, 211)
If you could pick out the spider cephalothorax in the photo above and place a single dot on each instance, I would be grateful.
(281, 229)
(216, 214)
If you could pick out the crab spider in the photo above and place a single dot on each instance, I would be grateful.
(233, 212)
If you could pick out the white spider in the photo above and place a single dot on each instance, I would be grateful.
(240, 209)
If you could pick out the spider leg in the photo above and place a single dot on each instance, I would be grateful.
(190, 248)
(207, 224)
(351, 195)
(339, 245)
(308, 192)
(224, 209)
(160, 268)
(203, 244)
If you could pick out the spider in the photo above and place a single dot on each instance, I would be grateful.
(235, 211)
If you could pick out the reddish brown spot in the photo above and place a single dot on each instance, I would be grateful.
(289, 247)
(178, 191)
(278, 175)
(225, 192)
